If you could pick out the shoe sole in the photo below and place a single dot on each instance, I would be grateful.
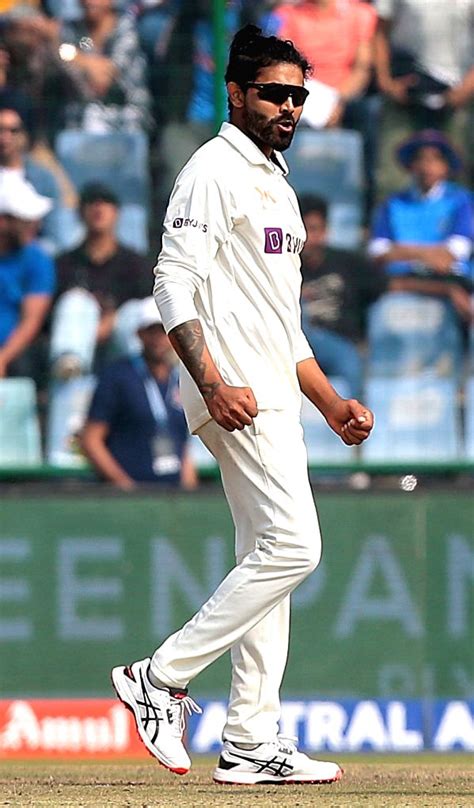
(114, 676)
(248, 779)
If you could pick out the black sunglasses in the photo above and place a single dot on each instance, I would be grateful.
(278, 93)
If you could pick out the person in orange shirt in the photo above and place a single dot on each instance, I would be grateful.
(13, 5)
(337, 37)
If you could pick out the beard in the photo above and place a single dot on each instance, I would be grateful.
(265, 130)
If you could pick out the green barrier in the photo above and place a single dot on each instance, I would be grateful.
(87, 583)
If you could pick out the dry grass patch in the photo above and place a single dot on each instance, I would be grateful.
(423, 781)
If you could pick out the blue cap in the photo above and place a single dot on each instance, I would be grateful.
(407, 150)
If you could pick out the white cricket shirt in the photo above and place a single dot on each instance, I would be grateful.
(230, 257)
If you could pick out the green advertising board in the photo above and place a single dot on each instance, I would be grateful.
(88, 583)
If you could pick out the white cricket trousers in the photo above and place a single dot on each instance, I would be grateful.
(277, 544)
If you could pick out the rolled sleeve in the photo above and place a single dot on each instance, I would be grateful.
(378, 247)
(460, 247)
(303, 350)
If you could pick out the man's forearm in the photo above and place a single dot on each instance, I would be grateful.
(33, 314)
(382, 53)
(103, 460)
(359, 77)
(188, 341)
(316, 386)
(461, 93)
(417, 252)
(231, 407)
(425, 286)
(20, 339)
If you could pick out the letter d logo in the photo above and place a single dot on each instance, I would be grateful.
(273, 240)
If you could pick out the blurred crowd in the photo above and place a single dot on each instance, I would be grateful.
(97, 97)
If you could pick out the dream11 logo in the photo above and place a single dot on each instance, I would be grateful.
(273, 240)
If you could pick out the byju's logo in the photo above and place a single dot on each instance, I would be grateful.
(273, 240)
(180, 222)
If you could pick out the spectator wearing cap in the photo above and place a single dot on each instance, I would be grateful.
(423, 235)
(135, 430)
(15, 161)
(424, 62)
(111, 272)
(27, 278)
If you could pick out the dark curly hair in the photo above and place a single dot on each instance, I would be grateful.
(250, 50)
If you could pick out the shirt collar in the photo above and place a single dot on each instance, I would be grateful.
(248, 149)
(436, 192)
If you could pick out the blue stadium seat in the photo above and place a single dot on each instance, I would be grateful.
(20, 442)
(65, 9)
(410, 333)
(469, 418)
(72, 9)
(415, 419)
(329, 163)
(132, 227)
(68, 406)
(118, 159)
(323, 445)
(69, 229)
(124, 338)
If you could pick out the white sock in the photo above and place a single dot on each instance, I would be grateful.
(247, 746)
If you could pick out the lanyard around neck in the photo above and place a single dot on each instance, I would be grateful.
(153, 392)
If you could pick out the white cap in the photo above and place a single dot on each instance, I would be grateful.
(18, 198)
(148, 314)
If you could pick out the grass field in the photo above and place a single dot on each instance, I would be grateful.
(381, 781)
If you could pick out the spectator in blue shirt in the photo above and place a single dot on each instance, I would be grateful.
(27, 276)
(136, 430)
(423, 235)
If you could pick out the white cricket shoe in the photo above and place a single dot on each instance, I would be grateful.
(277, 762)
(159, 714)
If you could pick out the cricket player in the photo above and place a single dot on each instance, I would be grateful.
(227, 287)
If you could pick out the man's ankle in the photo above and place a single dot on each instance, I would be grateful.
(155, 682)
(245, 746)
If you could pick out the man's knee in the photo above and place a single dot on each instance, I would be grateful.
(302, 557)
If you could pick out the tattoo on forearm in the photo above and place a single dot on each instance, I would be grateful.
(188, 342)
(208, 391)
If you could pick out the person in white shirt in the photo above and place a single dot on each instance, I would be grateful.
(227, 287)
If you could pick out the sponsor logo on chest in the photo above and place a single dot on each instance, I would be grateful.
(276, 241)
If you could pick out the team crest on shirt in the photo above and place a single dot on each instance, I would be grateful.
(266, 199)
